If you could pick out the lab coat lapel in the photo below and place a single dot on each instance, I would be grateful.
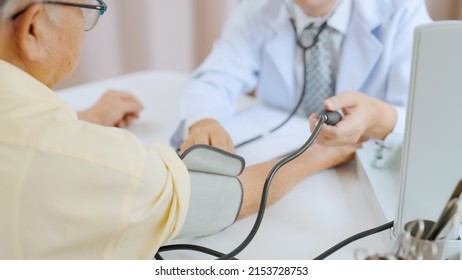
(361, 49)
(281, 51)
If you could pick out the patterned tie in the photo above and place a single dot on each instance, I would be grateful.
(319, 77)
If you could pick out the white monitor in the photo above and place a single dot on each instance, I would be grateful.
(431, 163)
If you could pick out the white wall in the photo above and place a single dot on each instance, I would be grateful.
(137, 35)
(445, 9)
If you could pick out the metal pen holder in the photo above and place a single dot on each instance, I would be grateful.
(424, 239)
(412, 244)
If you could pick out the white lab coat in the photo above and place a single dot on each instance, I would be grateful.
(257, 51)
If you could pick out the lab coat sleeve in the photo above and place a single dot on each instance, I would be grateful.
(230, 70)
(400, 69)
(378, 48)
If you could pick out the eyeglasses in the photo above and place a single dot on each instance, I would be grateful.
(91, 13)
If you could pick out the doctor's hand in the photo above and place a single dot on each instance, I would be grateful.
(114, 108)
(208, 132)
(364, 117)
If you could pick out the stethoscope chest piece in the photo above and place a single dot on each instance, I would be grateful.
(306, 38)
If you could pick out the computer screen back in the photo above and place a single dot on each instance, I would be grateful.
(432, 153)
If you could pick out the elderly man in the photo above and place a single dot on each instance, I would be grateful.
(74, 190)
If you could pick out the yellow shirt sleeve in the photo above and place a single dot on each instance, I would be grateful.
(75, 190)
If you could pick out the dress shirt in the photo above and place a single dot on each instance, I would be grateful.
(338, 20)
(76, 190)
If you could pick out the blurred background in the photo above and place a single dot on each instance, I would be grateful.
(137, 35)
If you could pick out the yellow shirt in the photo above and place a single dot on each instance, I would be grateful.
(74, 190)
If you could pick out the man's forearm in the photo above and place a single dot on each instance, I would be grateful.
(317, 158)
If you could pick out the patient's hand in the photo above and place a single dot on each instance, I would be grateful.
(114, 108)
(208, 132)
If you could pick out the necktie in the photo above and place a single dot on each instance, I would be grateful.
(319, 82)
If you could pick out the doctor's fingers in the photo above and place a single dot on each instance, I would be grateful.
(329, 135)
(344, 100)
(344, 133)
(324, 138)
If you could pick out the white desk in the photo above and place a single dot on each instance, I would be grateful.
(157, 90)
(323, 210)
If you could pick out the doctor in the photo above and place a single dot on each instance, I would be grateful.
(370, 45)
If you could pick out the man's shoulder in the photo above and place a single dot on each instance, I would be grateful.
(57, 134)
(383, 11)
(391, 4)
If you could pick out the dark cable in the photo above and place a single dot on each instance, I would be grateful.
(269, 179)
(261, 211)
(292, 113)
(323, 118)
(191, 247)
(355, 237)
(285, 160)
(322, 256)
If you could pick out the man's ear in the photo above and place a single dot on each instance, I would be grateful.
(30, 33)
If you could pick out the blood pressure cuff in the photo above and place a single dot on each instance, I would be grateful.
(216, 192)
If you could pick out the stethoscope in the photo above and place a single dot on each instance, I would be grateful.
(304, 45)
(325, 117)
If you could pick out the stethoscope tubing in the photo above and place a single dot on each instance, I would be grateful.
(303, 91)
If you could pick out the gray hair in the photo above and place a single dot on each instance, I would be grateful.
(9, 7)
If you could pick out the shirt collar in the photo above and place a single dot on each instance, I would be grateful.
(16, 81)
(339, 20)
